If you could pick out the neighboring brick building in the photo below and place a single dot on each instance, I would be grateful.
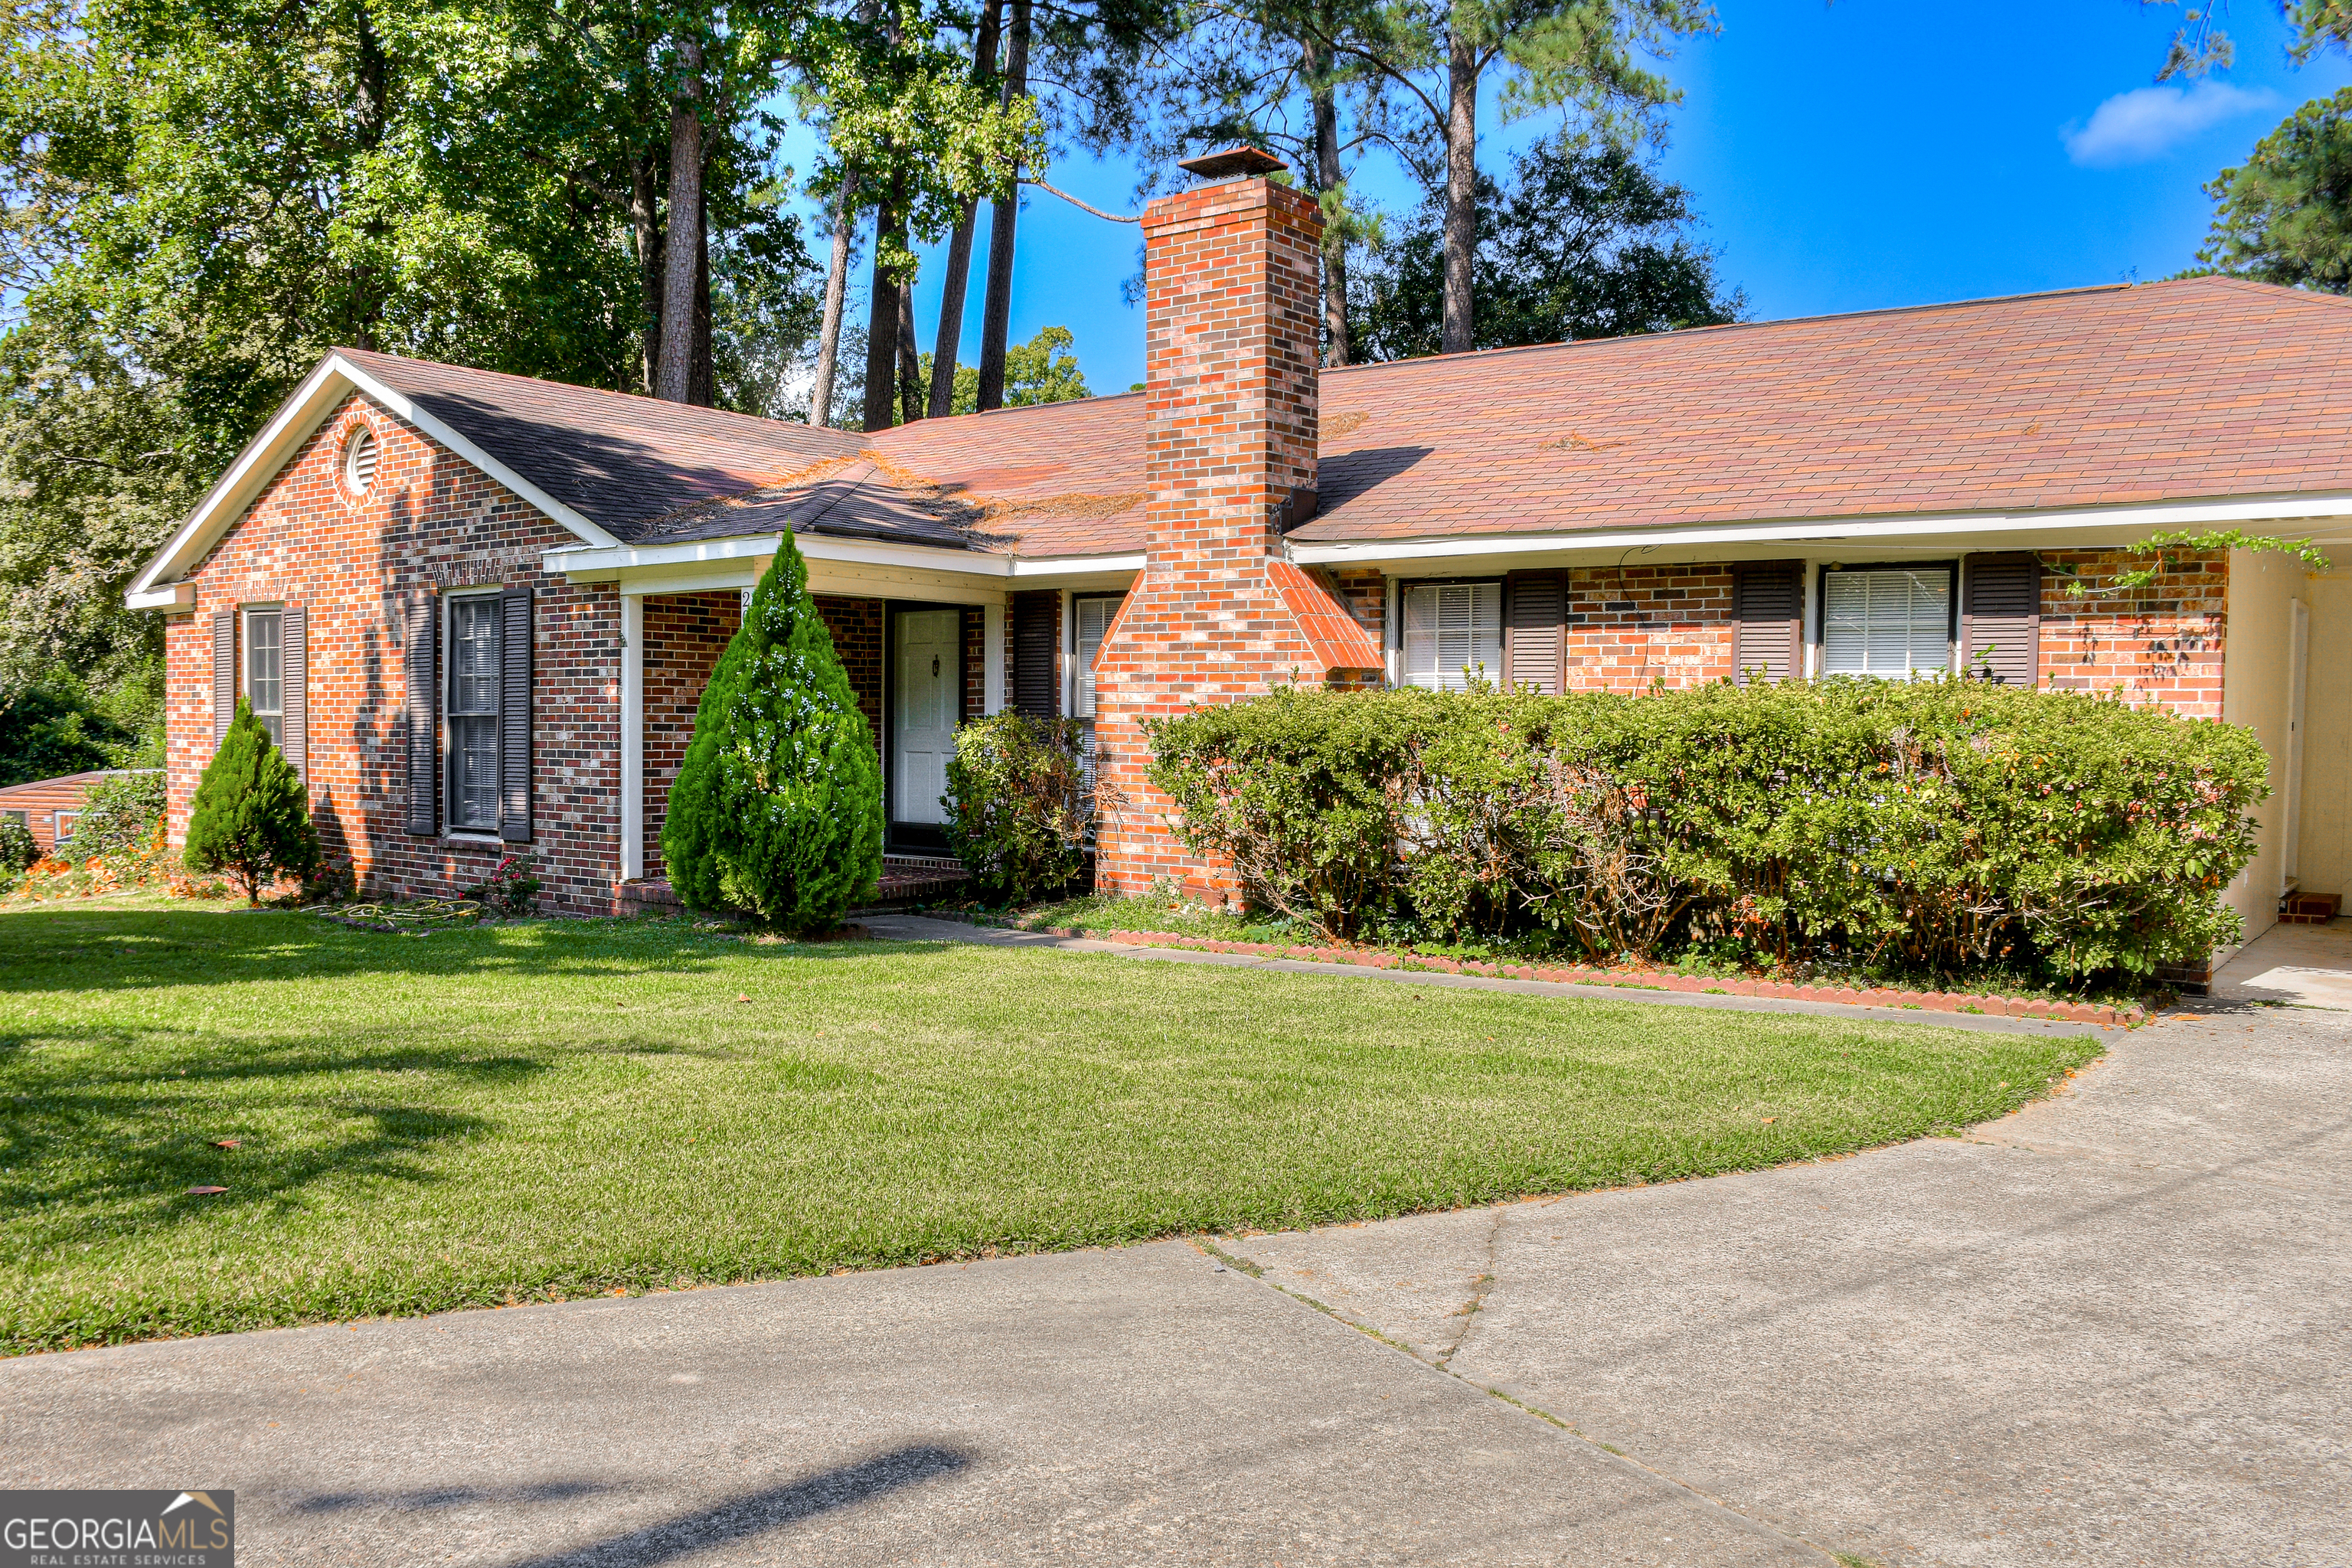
(481, 609)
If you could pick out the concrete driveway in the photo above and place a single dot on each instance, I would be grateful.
(2111, 1330)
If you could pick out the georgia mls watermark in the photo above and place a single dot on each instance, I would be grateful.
(118, 1530)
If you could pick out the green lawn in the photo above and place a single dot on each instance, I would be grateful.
(562, 1107)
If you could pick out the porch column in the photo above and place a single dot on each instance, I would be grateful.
(992, 657)
(633, 736)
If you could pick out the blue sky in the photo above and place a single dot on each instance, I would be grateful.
(1867, 153)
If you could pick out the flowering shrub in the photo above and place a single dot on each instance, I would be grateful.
(511, 890)
(1019, 809)
(1943, 828)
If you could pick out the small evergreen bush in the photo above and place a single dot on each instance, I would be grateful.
(250, 819)
(778, 807)
(1939, 828)
(1021, 807)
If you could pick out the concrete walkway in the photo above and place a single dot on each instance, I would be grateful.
(2306, 966)
(2110, 1329)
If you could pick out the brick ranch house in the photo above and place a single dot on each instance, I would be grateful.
(478, 609)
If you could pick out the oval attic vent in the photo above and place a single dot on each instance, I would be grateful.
(359, 462)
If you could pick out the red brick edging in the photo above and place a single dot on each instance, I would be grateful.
(1644, 980)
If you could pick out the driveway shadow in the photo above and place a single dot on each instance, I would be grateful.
(750, 1513)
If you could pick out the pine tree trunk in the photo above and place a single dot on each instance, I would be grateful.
(1335, 242)
(996, 305)
(644, 218)
(702, 380)
(1461, 187)
(949, 339)
(911, 360)
(881, 331)
(836, 292)
(682, 256)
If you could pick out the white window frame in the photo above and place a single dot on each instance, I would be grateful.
(446, 679)
(1950, 571)
(1405, 589)
(272, 719)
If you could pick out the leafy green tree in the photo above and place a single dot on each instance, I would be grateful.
(1039, 371)
(54, 726)
(1585, 243)
(251, 816)
(2284, 216)
(778, 806)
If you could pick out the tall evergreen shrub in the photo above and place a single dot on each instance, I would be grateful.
(251, 818)
(778, 808)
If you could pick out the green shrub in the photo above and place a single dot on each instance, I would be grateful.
(1942, 828)
(1020, 805)
(119, 813)
(18, 848)
(778, 807)
(250, 818)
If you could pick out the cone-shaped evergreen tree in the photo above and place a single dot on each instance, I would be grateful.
(778, 807)
(251, 816)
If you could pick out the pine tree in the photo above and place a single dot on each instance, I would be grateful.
(251, 816)
(778, 808)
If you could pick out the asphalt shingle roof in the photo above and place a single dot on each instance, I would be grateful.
(2192, 388)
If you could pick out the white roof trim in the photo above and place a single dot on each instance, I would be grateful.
(266, 453)
(593, 564)
(2142, 518)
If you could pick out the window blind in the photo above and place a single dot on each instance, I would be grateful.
(1893, 623)
(1452, 631)
(1093, 622)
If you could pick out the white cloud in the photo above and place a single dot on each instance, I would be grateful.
(2150, 122)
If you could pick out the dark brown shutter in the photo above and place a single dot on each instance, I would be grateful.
(293, 673)
(424, 735)
(1767, 608)
(514, 715)
(224, 673)
(1036, 644)
(1535, 630)
(2000, 611)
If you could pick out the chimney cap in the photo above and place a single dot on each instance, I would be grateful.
(1233, 164)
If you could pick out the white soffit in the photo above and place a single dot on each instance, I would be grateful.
(2128, 523)
(292, 425)
(648, 564)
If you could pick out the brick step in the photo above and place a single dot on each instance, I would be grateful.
(2309, 908)
(906, 879)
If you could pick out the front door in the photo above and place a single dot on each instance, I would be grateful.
(923, 721)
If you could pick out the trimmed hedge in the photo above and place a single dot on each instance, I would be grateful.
(1943, 826)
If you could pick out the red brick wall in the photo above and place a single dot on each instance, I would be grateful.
(2161, 643)
(974, 703)
(856, 628)
(1230, 411)
(684, 635)
(432, 521)
(1628, 626)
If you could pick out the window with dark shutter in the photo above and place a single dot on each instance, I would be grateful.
(1535, 630)
(514, 716)
(1037, 643)
(1768, 609)
(424, 735)
(293, 697)
(2000, 618)
(224, 673)
(475, 679)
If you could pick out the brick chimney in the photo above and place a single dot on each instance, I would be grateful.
(1231, 273)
